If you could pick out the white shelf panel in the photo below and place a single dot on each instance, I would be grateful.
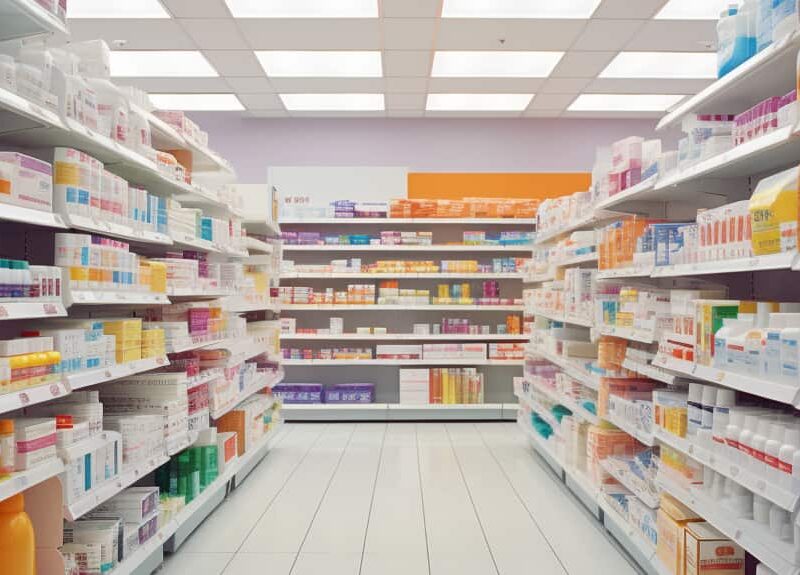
(641, 436)
(21, 18)
(33, 395)
(180, 443)
(570, 319)
(32, 310)
(352, 362)
(587, 222)
(624, 273)
(94, 297)
(778, 555)
(262, 227)
(651, 371)
(578, 260)
(22, 215)
(640, 549)
(624, 477)
(575, 371)
(405, 248)
(391, 275)
(190, 343)
(520, 222)
(771, 72)
(776, 391)
(633, 193)
(111, 488)
(22, 480)
(356, 307)
(90, 224)
(783, 261)
(480, 411)
(195, 243)
(403, 337)
(263, 382)
(91, 377)
(240, 304)
(194, 292)
(257, 246)
(629, 333)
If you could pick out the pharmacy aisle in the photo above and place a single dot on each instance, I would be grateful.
(404, 498)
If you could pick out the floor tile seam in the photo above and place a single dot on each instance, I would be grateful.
(372, 499)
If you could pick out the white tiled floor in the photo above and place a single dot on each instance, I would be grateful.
(399, 499)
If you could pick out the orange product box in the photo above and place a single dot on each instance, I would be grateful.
(672, 519)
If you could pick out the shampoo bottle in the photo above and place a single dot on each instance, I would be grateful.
(17, 547)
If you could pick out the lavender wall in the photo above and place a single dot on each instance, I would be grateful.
(424, 145)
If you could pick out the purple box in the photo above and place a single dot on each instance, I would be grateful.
(350, 393)
(298, 392)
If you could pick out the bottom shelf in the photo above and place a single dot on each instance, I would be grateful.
(398, 412)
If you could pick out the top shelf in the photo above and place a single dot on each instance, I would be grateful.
(22, 18)
(771, 72)
(411, 221)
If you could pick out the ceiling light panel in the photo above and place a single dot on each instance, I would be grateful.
(320, 64)
(197, 102)
(161, 64)
(494, 64)
(624, 102)
(115, 9)
(303, 8)
(478, 102)
(662, 65)
(580, 9)
(692, 10)
(333, 102)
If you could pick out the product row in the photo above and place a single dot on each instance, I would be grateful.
(448, 326)
(410, 238)
(408, 208)
(356, 266)
(429, 351)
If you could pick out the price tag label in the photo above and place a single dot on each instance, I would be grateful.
(160, 360)
(50, 309)
(55, 390)
(107, 374)
(3, 311)
(24, 399)
(120, 297)
(22, 482)
(719, 376)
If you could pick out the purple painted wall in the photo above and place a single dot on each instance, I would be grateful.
(423, 145)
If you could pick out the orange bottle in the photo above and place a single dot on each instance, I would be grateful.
(17, 545)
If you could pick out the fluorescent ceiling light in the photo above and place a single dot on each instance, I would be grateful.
(519, 8)
(333, 102)
(115, 9)
(161, 64)
(197, 102)
(319, 64)
(693, 9)
(478, 102)
(494, 64)
(671, 65)
(303, 8)
(624, 102)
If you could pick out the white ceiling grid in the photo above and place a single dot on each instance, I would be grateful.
(408, 33)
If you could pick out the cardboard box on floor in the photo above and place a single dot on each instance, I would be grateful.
(709, 552)
(673, 516)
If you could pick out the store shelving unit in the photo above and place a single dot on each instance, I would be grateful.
(400, 318)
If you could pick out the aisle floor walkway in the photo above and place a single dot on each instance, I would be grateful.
(399, 499)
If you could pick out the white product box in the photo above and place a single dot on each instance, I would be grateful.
(414, 386)
(398, 352)
(26, 181)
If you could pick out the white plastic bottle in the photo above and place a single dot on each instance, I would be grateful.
(746, 440)
(758, 457)
(790, 447)
(726, 399)
(733, 433)
(709, 401)
(761, 509)
(772, 453)
(779, 525)
(694, 410)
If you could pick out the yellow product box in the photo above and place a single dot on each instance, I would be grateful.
(774, 213)
(128, 355)
(709, 552)
(158, 276)
(673, 517)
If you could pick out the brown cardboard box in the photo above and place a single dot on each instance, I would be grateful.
(673, 516)
(709, 552)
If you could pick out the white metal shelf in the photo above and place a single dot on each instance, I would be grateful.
(633, 193)
(569, 367)
(410, 221)
(262, 381)
(629, 333)
(394, 275)
(92, 377)
(403, 337)
(587, 222)
(570, 319)
(774, 390)
(31, 396)
(353, 362)
(384, 307)
(90, 224)
(392, 412)
(626, 426)
(624, 273)
(111, 297)
(241, 304)
(406, 248)
(20, 215)
(31, 310)
(257, 246)
(771, 72)
(262, 227)
(784, 261)
(22, 480)
(198, 292)
(190, 343)
(21, 18)
(624, 477)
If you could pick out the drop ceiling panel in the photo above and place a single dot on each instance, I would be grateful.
(582, 64)
(411, 8)
(327, 85)
(176, 85)
(197, 9)
(645, 86)
(249, 85)
(499, 34)
(234, 62)
(607, 34)
(137, 34)
(675, 36)
(215, 33)
(261, 101)
(398, 63)
(408, 33)
(626, 9)
(405, 101)
(311, 33)
(406, 85)
(485, 85)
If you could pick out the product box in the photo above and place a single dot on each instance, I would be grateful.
(414, 386)
(26, 181)
(673, 517)
(227, 449)
(709, 552)
(398, 352)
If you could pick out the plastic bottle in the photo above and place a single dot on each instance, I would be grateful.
(709, 401)
(779, 524)
(772, 453)
(733, 433)
(746, 439)
(17, 542)
(758, 457)
(790, 447)
(726, 399)
(694, 411)
(735, 359)
(8, 448)
(761, 509)
(746, 31)
(754, 340)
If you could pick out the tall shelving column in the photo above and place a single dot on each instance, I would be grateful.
(399, 319)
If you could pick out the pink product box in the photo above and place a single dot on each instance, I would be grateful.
(35, 441)
(398, 352)
(626, 154)
(26, 181)
(454, 351)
